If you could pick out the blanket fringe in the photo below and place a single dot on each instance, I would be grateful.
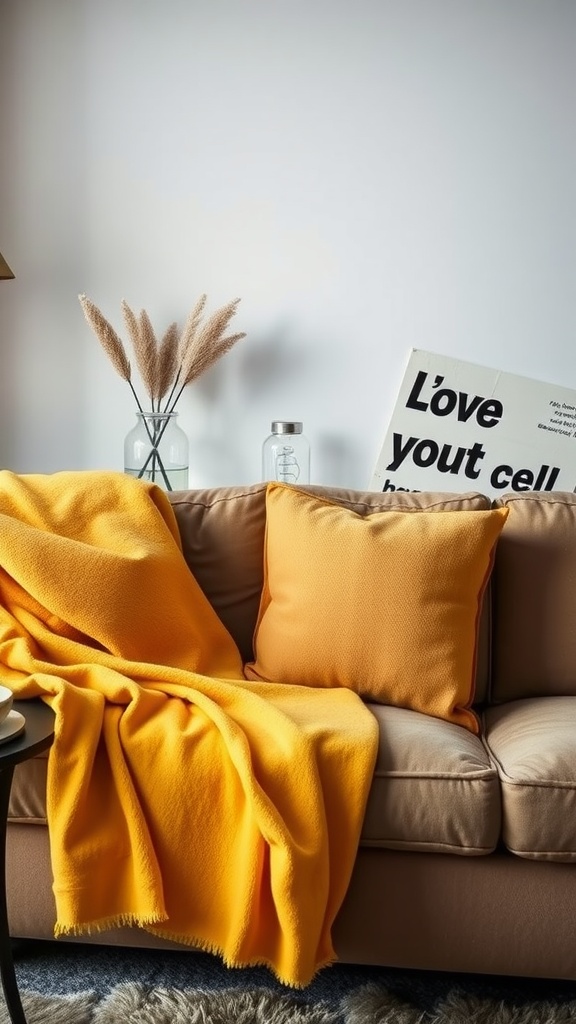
(147, 924)
(214, 950)
(104, 924)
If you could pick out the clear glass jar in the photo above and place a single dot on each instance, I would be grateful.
(157, 449)
(286, 454)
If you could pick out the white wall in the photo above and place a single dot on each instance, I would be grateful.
(368, 175)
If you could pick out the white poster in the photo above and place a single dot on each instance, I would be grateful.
(461, 427)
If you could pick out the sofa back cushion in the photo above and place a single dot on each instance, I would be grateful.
(222, 531)
(534, 598)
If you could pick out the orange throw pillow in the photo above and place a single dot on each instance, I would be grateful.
(387, 604)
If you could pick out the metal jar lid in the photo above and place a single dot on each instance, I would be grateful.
(286, 427)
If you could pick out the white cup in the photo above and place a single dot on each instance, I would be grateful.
(6, 698)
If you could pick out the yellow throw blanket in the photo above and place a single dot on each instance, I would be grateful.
(181, 798)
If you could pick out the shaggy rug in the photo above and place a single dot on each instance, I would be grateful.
(75, 984)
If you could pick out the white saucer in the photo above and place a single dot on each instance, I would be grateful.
(12, 725)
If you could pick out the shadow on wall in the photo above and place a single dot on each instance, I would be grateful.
(43, 237)
(267, 368)
(7, 288)
(7, 411)
(274, 364)
(338, 457)
(266, 373)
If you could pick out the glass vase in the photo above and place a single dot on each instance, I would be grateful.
(156, 449)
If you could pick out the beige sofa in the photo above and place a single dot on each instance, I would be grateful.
(466, 861)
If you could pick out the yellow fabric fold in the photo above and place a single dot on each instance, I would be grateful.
(182, 798)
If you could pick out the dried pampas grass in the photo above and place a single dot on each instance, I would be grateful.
(168, 366)
(108, 338)
(167, 360)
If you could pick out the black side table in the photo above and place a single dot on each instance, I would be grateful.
(38, 735)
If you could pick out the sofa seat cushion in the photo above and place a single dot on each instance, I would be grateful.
(532, 742)
(434, 788)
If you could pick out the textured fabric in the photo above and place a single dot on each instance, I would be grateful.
(28, 791)
(533, 745)
(534, 603)
(434, 787)
(222, 534)
(387, 604)
(181, 798)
